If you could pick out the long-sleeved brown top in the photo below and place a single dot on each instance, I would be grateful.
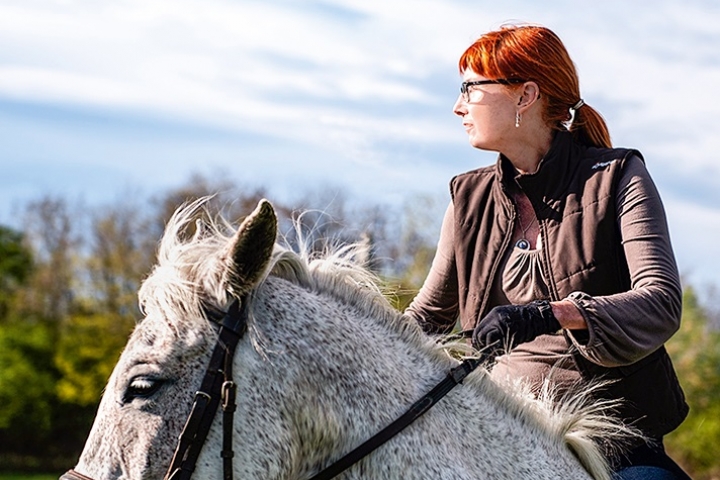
(622, 328)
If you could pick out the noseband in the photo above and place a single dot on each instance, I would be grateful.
(218, 385)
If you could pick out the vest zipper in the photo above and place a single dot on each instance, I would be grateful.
(493, 270)
(546, 265)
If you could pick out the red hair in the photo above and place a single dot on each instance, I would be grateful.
(534, 53)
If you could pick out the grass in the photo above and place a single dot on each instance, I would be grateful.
(21, 476)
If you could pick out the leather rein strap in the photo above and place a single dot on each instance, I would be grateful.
(455, 377)
(216, 386)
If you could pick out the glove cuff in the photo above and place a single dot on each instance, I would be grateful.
(546, 313)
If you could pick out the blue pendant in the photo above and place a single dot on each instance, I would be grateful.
(522, 244)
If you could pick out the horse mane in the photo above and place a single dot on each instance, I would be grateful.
(188, 278)
(336, 273)
(191, 261)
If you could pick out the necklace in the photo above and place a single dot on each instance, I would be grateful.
(523, 243)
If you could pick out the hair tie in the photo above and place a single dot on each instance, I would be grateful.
(579, 104)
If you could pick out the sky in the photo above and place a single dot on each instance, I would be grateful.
(98, 98)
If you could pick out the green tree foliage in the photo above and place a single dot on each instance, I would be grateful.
(86, 355)
(40, 299)
(695, 350)
(27, 377)
(15, 266)
(23, 347)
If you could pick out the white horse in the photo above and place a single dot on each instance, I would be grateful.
(325, 364)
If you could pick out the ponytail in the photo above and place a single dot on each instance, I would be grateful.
(588, 127)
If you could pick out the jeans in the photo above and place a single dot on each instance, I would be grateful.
(649, 462)
(645, 473)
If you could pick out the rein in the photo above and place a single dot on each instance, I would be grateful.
(217, 386)
(455, 377)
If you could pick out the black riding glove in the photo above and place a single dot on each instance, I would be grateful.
(507, 326)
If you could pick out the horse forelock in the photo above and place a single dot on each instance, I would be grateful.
(189, 270)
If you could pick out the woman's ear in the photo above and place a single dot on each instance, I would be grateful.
(529, 94)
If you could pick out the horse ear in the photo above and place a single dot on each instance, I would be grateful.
(251, 249)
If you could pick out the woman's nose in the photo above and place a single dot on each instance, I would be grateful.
(460, 108)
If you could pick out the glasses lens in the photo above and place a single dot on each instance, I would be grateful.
(466, 89)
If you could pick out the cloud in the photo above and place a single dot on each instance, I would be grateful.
(360, 90)
(357, 71)
(246, 66)
(693, 251)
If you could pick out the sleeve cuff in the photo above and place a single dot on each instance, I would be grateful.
(584, 340)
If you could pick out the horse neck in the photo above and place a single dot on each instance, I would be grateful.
(328, 376)
(338, 373)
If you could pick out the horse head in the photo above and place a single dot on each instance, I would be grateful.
(149, 394)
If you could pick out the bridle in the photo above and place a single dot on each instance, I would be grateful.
(217, 386)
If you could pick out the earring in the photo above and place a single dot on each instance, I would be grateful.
(517, 119)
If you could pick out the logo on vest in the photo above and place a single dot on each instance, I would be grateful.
(600, 165)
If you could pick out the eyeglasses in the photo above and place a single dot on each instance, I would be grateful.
(465, 91)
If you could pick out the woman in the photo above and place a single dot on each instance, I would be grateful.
(558, 255)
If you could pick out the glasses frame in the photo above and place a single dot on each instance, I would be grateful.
(465, 91)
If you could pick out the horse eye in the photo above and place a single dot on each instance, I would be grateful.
(141, 387)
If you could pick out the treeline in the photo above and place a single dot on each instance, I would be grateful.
(69, 277)
(68, 283)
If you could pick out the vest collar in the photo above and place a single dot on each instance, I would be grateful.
(554, 171)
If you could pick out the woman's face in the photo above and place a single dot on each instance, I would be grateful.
(489, 115)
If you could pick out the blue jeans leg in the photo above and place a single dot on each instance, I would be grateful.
(642, 472)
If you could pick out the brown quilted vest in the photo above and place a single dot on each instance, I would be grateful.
(573, 194)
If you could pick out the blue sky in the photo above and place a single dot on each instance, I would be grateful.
(100, 97)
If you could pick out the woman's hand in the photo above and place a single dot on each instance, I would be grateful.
(507, 326)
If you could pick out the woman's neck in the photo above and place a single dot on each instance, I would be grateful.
(526, 155)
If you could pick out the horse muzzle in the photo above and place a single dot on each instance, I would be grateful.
(73, 475)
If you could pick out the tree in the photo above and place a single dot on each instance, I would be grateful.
(410, 246)
(27, 374)
(50, 228)
(19, 344)
(15, 266)
(118, 255)
(227, 197)
(15, 259)
(695, 351)
(86, 355)
(27, 378)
